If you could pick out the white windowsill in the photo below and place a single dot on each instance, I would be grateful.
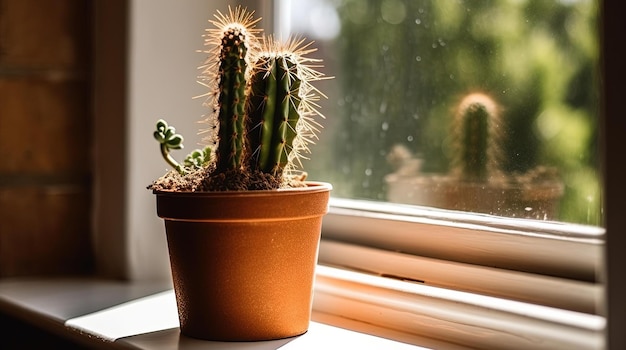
(111, 314)
(125, 315)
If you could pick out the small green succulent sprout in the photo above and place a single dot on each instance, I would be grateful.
(169, 140)
(198, 158)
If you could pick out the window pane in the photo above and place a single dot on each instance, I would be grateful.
(482, 106)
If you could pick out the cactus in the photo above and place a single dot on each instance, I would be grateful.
(273, 113)
(273, 109)
(236, 35)
(476, 149)
(262, 106)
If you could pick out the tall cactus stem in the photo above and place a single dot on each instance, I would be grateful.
(231, 102)
(273, 112)
(224, 73)
(288, 117)
(261, 111)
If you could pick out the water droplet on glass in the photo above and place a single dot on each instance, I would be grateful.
(383, 108)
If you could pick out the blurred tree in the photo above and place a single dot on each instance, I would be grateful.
(404, 65)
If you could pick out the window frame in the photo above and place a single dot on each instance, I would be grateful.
(514, 244)
(413, 313)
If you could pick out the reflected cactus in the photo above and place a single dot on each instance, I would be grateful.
(476, 149)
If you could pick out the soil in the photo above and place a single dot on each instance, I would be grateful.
(233, 180)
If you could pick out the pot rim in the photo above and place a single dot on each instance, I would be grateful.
(226, 206)
(311, 186)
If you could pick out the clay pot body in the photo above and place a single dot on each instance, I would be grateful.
(243, 263)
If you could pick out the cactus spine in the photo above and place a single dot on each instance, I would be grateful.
(476, 153)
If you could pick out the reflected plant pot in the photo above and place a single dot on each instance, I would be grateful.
(531, 201)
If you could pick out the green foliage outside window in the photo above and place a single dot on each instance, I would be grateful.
(403, 65)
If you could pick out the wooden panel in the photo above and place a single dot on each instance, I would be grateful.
(45, 126)
(45, 34)
(45, 148)
(44, 230)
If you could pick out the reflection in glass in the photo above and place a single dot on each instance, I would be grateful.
(402, 69)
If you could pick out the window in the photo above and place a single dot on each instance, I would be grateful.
(406, 74)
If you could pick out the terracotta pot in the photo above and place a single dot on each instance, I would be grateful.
(243, 262)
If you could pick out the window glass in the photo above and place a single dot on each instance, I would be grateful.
(473, 105)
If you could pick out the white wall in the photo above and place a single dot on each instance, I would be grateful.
(162, 68)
